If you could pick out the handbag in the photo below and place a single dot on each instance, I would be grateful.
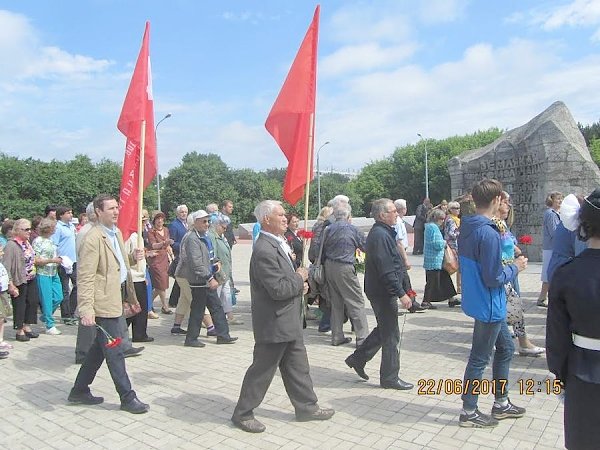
(131, 309)
(450, 263)
(173, 266)
(316, 271)
(514, 305)
(220, 277)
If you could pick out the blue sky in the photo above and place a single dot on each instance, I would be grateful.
(387, 70)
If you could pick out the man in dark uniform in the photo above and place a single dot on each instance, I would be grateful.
(276, 289)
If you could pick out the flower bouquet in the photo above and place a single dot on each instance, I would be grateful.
(359, 260)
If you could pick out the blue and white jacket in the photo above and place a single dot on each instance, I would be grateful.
(482, 273)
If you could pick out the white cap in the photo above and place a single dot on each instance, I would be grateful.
(200, 214)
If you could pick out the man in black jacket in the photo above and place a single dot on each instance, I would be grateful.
(384, 270)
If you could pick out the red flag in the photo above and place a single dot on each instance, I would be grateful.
(291, 120)
(138, 106)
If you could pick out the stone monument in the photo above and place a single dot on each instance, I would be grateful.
(546, 154)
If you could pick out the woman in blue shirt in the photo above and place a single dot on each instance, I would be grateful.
(438, 284)
(509, 252)
(551, 221)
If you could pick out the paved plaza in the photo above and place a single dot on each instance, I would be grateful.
(192, 391)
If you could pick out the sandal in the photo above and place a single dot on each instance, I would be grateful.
(166, 311)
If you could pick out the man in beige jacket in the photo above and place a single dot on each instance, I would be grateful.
(103, 275)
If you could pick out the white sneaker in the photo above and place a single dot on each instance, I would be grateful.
(535, 351)
(53, 331)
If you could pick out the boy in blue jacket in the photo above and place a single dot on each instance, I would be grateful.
(484, 299)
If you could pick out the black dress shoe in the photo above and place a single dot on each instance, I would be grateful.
(4, 355)
(22, 338)
(84, 398)
(428, 305)
(146, 339)
(399, 385)
(133, 351)
(226, 340)
(135, 406)
(319, 414)
(211, 333)
(32, 334)
(416, 308)
(453, 302)
(195, 343)
(342, 342)
(358, 368)
(249, 426)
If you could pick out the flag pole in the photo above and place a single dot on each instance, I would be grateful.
(311, 149)
(141, 264)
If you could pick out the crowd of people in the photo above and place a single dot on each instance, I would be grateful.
(40, 269)
(105, 284)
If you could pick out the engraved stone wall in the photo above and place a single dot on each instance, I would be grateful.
(546, 154)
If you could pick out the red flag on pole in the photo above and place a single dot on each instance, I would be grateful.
(291, 120)
(137, 115)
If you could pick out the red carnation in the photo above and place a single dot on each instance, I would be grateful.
(305, 234)
(290, 238)
(412, 294)
(526, 240)
(113, 342)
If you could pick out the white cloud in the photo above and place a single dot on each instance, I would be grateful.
(441, 11)
(488, 86)
(364, 57)
(382, 21)
(23, 56)
(576, 13)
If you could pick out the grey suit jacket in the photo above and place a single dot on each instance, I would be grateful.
(276, 294)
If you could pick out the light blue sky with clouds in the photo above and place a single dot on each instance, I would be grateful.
(387, 70)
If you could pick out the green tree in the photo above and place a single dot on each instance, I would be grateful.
(197, 181)
(402, 175)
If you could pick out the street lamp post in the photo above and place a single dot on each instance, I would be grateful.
(157, 171)
(319, 176)
(426, 168)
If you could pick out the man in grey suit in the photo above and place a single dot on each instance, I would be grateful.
(276, 290)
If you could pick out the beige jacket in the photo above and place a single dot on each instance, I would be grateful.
(99, 278)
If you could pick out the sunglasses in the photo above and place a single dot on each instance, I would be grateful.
(25, 229)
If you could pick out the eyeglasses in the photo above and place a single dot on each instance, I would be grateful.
(203, 221)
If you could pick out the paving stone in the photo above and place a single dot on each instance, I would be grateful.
(192, 392)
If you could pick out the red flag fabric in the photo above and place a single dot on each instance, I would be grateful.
(138, 106)
(289, 121)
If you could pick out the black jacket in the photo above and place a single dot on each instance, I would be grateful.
(384, 267)
(574, 307)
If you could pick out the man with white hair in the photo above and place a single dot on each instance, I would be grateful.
(177, 230)
(276, 289)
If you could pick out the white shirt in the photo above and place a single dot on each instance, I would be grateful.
(401, 234)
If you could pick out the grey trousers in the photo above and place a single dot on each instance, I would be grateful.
(344, 292)
(292, 361)
(87, 335)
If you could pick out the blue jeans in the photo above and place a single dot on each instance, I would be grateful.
(486, 336)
